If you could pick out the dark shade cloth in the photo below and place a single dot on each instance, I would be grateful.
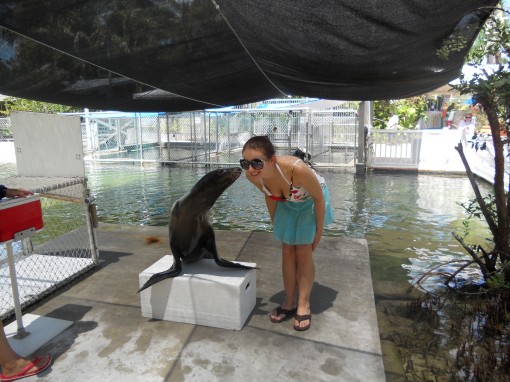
(164, 55)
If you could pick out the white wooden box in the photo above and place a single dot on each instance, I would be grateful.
(204, 294)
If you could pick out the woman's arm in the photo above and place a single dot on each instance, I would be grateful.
(271, 207)
(270, 203)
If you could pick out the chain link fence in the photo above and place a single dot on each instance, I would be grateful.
(65, 247)
(5, 130)
(329, 137)
(55, 255)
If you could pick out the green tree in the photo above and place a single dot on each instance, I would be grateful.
(491, 91)
(20, 104)
(408, 110)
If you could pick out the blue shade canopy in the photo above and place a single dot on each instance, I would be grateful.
(164, 55)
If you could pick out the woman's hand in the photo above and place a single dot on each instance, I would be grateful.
(316, 239)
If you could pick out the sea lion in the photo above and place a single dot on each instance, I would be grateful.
(191, 234)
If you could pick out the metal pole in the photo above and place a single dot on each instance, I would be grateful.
(193, 137)
(217, 135)
(139, 127)
(167, 156)
(308, 126)
(22, 333)
(91, 217)
(228, 135)
(88, 130)
(251, 123)
(158, 128)
(118, 128)
(206, 140)
(365, 120)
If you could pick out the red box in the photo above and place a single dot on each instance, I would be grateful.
(19, 214)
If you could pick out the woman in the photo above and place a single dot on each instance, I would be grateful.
(298, 202)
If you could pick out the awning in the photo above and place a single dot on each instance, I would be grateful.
(153, 55)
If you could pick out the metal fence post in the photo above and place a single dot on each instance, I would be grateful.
(158, 129)
(15, 294)
(307, 133)
(207, 147)
(365, 118)
(217, 135)
(139, 127)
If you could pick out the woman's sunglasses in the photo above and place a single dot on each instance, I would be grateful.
(256, 164)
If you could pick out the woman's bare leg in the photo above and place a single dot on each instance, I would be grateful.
(289, 268)
(13, 363)
(305, 276)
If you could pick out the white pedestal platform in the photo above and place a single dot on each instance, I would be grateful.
(41, 329)
(204, 294)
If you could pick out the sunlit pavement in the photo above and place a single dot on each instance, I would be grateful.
(109, 339)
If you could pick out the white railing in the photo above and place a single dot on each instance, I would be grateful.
(430, 151)
(424, 150)
(395, 148)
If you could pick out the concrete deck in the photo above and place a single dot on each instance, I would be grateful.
(109, 340)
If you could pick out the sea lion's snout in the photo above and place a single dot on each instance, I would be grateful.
(212, 185)
(230, 174)
(236, 172)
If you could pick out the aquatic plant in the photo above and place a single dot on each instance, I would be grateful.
(457, 339)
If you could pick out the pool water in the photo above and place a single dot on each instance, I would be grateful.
(406, 218)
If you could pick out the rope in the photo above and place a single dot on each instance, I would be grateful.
(247, 51)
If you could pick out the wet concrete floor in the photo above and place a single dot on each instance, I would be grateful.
(109, 339)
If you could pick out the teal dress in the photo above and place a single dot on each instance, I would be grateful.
(294, 219)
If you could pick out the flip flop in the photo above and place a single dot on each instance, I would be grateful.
(26, 371)
(300, 318)
(288, 313)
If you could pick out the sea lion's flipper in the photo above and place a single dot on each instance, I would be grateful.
(174, 271)
(211, 247)
(230, 264)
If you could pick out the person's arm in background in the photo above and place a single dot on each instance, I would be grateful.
(13, 192)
